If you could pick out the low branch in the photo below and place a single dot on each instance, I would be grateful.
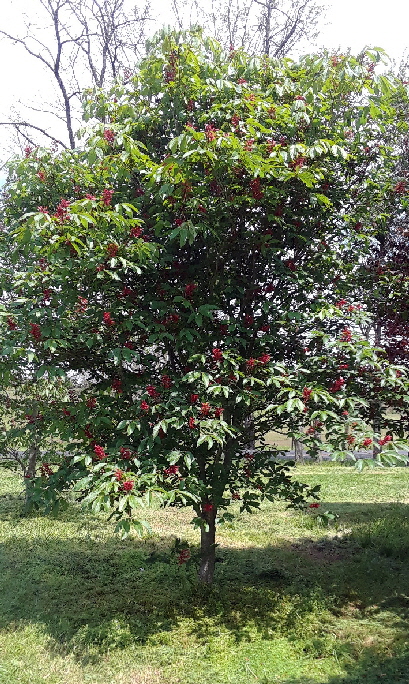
(16, 124)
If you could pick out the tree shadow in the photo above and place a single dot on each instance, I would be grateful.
(93, 595)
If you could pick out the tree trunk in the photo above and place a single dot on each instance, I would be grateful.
(298, 450)
(208, 548)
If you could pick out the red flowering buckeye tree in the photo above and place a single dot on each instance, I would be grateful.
(184, 268)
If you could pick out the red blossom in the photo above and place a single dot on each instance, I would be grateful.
(91, 402)
(351, 439)
(107, 197)
(136, 231)
(117, 385)
(118, 473)
(217, 354)
(144, 406)
(264, 358)
(45, 470)
(346, 335)
(192, 423)
(194, 398)
(41, 175)
(210, 132)
(255, 189)
(112, 250)
(400, 187)
(235, 120)
(125, 453)
(35, 331)
(152, 391)
(183, 556)
(189, 290)
(314, 505)
(207, 507)
(90, 197)
(127, 486)
(306, 393)
(107, 319)
(61, 213)
(341, 303)
(248, 320)
(171, 470)
(27, 151)
(205, 409)
(109, 135)
(218, 412)
(236, 496)
(248, 145)
(99, 451)
(385, 440)
(337, 385)
(166, 381)
(241, 81)
(11, 323)
(250, 363)
(367, 442)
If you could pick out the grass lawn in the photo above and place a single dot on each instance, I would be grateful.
(293, 603)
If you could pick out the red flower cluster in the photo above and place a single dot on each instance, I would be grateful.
(109, 135)
(385, 440)
(250, 363)
(367, 442)
(341, 303)
(235, 120)
(210, 132)
(337, 385)
(127, 486)
(306, 393)
(217, 354)
(91, 402)
(241, 81)
(264, 358)
(61, 212)
(400, 188)
(107, 319)
(218, 412)
(35, 331)
(248, 320)
(107, 197)
(346, 335)
(183, 556)
(255, 188)
(192, 423)
(350, 439)
(125, 453)
(41, 175)
(194, 398)
(205, 409)
(189, 290)
(207, 507)
(314, 505)
(171, 470)
(118, 474)
(117, 385)
(166, 381)
(248, 145)
(99, 451)
(152, 391)
(235, 496)
(112, 250)
(136, 231)
(90, 197)
(45, 470)
(144, 406)
(11, 323)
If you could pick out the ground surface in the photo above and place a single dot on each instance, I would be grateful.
(293, 602)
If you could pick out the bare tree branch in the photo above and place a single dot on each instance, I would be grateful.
(26, 124)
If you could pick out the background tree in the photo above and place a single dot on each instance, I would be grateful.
(90, 42)
(271, 27)
(188, 263)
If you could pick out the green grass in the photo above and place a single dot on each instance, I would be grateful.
(293, 603)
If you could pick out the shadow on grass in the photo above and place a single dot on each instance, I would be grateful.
(94, 596)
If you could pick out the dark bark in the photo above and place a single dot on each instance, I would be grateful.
(208, 548)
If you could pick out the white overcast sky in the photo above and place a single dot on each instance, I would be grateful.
(348, 24)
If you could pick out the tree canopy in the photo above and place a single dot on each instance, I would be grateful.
(193, 266)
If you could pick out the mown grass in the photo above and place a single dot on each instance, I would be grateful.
(293, 602)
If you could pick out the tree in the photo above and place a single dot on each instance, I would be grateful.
(269, 27)
(187, 264)
(86, 42)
